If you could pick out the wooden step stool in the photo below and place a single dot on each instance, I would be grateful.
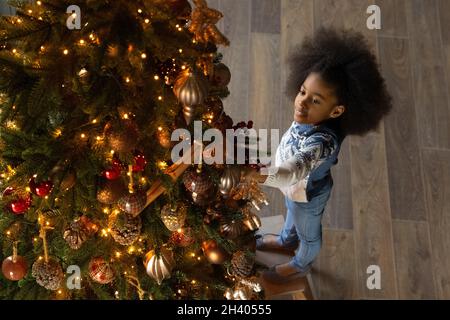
(301, 289)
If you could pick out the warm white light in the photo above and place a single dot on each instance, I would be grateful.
(143, 56)
(156, 77)
(147, 20)
(66, 52)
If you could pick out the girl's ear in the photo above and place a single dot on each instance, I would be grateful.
(337, 111)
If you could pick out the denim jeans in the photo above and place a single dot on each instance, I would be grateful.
(304, 225)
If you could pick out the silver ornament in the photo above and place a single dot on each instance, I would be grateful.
(159, 267)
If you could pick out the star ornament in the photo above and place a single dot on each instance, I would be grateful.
(203, 24)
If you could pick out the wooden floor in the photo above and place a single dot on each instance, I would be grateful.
(391, 201)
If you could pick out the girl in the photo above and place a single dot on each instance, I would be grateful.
(338, 91)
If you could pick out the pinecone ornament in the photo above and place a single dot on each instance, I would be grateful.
(75, 234)
(125, 229)
(48, 274)
(242, 264)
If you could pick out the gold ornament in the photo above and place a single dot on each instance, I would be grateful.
(229, 180)
(159, 267)
(221, 75)
(251, 220)
(231, 228)
(173, 217)
(191, 89)
(213, 252)
(203, 24)
(249, 189)
(163, 136)
(111, 191)
(122, 137)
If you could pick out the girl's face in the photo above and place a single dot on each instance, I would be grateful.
(316, 101)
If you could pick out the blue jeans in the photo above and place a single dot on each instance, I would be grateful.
(304, 225)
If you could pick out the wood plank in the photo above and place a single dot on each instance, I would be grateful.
(266, 16)
(444, 19)
(430, 83)
(334, 274)
(348, 14)
(236, 26)
(393, 18)
(371, 213)
(405, 172)
(437, 188)
(264, 98)
(296, 23)
(339, 210)
(413, 260)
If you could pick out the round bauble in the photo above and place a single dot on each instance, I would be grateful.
(14, 268)
(111, 191)
(213, 253)
(100, 271)
(230, 179)
(221, 76)
(122, 137)
(133, 203)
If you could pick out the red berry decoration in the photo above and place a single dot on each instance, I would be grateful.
(139, 162)
(20, 206)
(14, 267)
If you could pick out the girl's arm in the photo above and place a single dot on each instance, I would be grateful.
(314, 151)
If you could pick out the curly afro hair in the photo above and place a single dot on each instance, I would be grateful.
(344, 60)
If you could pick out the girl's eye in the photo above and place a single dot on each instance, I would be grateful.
(315, 101)
(302, 92)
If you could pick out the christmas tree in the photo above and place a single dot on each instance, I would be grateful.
(93, 207)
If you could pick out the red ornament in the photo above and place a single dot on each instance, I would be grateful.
(41, 189)
(100, 271)
(8, 191)
(112, 173)
(14, 268)
(182, 237)
(139, 162)
(19, 206)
